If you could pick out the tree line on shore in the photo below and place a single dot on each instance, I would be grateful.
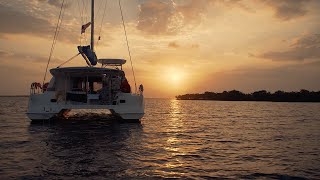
(263, 95)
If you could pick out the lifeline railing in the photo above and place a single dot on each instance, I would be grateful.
(35, 88)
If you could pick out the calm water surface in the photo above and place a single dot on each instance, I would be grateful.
(176, 139)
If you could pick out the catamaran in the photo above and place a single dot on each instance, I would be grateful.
(88, 87)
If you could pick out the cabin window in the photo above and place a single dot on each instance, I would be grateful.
(90, 84)
(79, 84)
(94, 84)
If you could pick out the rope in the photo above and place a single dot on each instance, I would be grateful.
(84, 10)
(125, 32)
(97, 12)
(81, 18)
(54, 39)
(104, 12)
(68, 60)
(63, 10)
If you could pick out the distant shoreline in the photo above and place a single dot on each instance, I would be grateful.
(263, 95)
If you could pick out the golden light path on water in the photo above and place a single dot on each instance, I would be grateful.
(173, 142)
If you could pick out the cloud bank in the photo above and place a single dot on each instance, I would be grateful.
(167, 17)
(288, 9)
(304, 48)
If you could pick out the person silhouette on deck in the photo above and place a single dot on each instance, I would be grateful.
(125, 86)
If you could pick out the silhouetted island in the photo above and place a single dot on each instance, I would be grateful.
(263, 95)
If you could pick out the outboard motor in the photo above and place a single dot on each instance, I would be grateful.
(88, 55)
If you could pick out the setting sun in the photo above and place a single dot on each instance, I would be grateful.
(175, 76)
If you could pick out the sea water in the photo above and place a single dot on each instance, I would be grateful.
(175, 139)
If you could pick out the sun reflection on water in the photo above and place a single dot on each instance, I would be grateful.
(175, 110)
(173, 141)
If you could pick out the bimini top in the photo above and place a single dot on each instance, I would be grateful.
(83, 70)
(112, 62)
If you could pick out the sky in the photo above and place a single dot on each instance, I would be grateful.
(177, 46)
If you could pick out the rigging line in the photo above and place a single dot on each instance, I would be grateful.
(97, 12)
(68, 60)
(64, 9)
(125, 32)
(84, 10)
(80, 11)
(59, 27)
(104, 12)
(81, 18)
(53, 42)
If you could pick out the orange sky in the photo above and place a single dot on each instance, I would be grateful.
(178, 46)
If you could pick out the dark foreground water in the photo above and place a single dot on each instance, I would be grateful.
(176, 139)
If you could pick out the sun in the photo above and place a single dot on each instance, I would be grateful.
(175, 76)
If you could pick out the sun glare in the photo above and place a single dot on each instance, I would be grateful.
(175, 76)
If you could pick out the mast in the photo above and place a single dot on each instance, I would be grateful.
(92, 25)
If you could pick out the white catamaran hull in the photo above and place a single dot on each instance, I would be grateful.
(126, 106)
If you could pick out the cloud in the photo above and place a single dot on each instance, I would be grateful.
(173, 45)
(194, 10)
(304, 48)
(56, 3)
(308, 41)
(155, 17)
(18, 22)
(288, 9)
(195, 46)
(4, 54)
(167, 17)
(30, 58)
(177, 45)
